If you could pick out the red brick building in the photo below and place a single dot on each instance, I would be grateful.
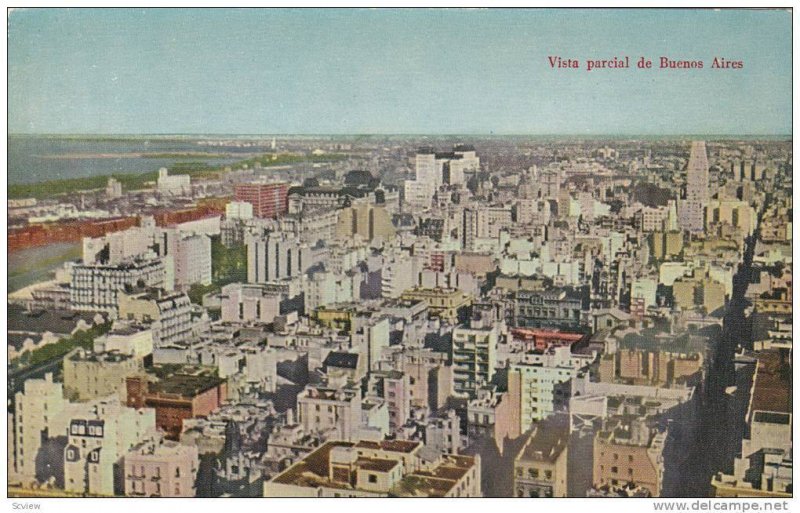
(268, 199)
(177, 397)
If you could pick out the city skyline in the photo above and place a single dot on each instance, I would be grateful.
(358, 71)
(388, 253)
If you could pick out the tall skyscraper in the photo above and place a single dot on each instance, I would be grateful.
(692, 212)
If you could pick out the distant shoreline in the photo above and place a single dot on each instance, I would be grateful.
(142, 155)
(138, 180)
(482, 135)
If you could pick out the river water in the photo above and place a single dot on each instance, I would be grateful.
(39, 158)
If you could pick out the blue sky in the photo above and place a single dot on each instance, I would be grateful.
(394, 71)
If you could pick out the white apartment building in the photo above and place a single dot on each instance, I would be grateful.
(175, 185)
(190, 256)
(96, 287)
(249, 302)
(97, 441)
(541, 384)
(474, 353)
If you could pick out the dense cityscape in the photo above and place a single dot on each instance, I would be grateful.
(407, 316)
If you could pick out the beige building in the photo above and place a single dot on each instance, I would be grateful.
(368, 221)
(161, 468)
(666, 245)
(89, 375)
(657, 368)
(335, 412)
(540, 469)
(126, 337)
(478, 264)
(736, 213)
(705, 292)
(491, 220)
(389, 468)
(430, 379)
(629, 451)
(447, 304)
(763, 468)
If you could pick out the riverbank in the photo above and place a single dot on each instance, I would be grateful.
(135, 181)
(32, 266)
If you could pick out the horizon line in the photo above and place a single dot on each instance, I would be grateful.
(417, 134)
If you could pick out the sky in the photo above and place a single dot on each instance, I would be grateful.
(408, 71)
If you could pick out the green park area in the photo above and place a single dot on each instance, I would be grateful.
(82, 338)
(228, 265)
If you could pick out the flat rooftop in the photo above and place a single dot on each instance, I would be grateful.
(548, 441)
(185, 385)
(39, 321)
(772, 390)
(312, 471)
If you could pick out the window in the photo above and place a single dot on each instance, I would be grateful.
(630, 458)
(534, 473)
(177, 472)
(548, 474)
(373, 478)
(614, 470)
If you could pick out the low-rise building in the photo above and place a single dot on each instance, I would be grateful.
(451, 305)
(161, 468)
(764, 466)
(89, 375)
(169, 314)
(376, 469)
(556, 308)
(96, 442)
(177, 397)
(330, 410)
(540, 469)
(627, 450)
